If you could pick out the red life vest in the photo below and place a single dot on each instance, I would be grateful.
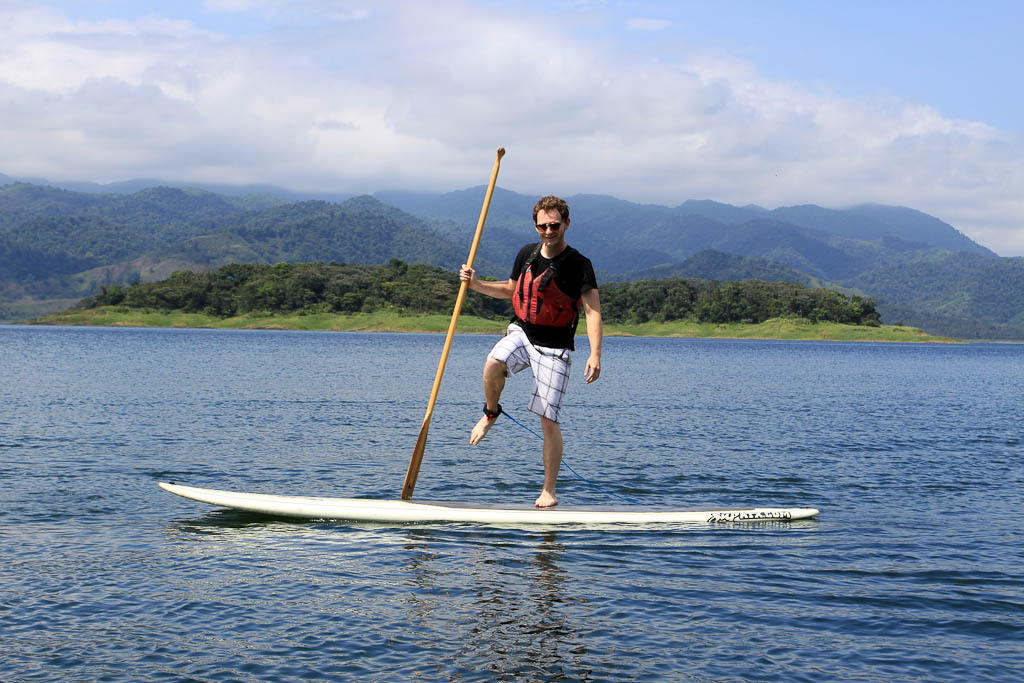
(539, 301)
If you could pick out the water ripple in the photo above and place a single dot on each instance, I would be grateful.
(911, 573)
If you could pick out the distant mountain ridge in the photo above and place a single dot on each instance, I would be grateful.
(624, 237)
(57, 244)
(716, 265)
(858, 222)
(138, 184)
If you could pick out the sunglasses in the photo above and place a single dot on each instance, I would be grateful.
(544, 227)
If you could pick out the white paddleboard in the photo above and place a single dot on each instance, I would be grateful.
(377, 510)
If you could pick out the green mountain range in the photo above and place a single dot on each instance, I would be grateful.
(59, 245)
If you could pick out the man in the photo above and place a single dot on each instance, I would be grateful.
(549, 284)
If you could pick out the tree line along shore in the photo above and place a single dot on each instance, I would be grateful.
(404, 296)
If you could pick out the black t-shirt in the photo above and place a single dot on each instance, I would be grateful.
(574, 276)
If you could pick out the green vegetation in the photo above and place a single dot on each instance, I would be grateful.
(390, 321)
(57, 245)
(749, 301)
(318, 288)
(710, 264)
(776, 328)
(378, 321)
(302, 288)
(403, 297)
(46, 233)
(968, 295)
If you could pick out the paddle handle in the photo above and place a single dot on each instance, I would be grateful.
(421, 441)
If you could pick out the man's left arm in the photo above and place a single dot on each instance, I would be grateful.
(595, 333)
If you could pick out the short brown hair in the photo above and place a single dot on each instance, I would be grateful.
(551, 203)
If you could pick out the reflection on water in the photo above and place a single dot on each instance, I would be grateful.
(514, 617)
(911, 573)
(517, 611)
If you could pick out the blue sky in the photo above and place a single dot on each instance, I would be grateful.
(774, 103)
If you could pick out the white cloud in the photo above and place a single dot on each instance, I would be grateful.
(403, 95)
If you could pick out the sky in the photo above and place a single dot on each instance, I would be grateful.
(769, 102)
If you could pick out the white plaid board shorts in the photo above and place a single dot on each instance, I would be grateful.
(550, 369)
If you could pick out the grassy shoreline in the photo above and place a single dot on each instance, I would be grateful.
(389, 321)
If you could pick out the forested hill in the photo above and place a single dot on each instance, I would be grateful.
(360, 230)
(626, 237)
(895, 255)
(967, 295)
(57, 246)
(716, 265)
(155, 209)
(47, 226)
(237, 289)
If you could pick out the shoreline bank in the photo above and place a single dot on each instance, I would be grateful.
(388, 321)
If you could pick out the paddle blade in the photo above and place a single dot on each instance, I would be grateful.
(414, 462)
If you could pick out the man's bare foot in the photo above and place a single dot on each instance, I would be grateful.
(546, 500)
(480, 430)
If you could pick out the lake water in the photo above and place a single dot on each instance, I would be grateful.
(912, 572)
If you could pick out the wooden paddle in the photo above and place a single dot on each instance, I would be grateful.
(421, 442)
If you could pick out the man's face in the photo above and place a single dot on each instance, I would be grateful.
(550, 227)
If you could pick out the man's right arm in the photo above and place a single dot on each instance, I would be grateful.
(498, 289)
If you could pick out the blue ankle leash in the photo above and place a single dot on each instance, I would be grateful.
(578, 475)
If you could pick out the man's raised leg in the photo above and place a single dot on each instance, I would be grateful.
(494, 383)
(552, 462)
